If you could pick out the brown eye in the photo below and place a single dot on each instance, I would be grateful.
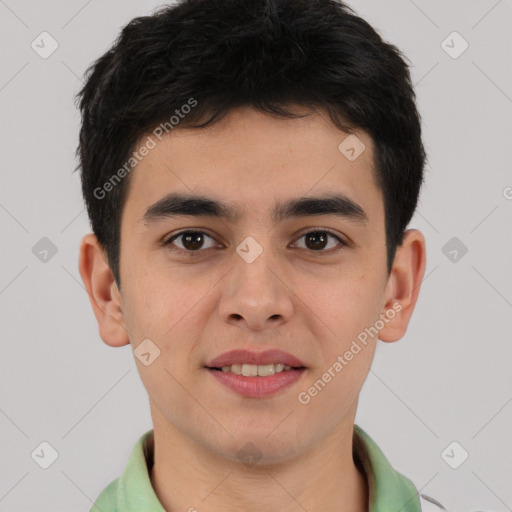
(318, 240)
(191, 241)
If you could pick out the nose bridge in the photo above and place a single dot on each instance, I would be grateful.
(254, 292)
(253, 264)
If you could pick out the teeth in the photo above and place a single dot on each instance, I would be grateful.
(253, 370)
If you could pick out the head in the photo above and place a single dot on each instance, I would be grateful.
(248, 103)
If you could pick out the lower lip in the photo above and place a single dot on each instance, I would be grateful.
(257, 387)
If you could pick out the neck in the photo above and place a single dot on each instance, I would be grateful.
(188, 477)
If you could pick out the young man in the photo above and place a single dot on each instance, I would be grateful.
(249, 168)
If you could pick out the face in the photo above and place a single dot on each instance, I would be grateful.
(308, 285)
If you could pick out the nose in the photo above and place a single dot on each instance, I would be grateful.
(255, 294)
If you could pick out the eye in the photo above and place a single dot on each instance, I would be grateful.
(191, 241)
(316, 240)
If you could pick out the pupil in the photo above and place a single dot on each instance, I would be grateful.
(188, 239)
(316, 236)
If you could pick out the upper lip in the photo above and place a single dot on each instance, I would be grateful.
(258, 358)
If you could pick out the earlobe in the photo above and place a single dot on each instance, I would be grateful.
(102, 290)
(403, 285)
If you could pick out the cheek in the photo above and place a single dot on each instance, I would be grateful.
(346, 304)
(348, 346)
(168, 312)
(153, 298)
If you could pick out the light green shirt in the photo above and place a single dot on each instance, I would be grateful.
(132, 491)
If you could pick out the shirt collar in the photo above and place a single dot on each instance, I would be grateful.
(389, 489)
(135, 492)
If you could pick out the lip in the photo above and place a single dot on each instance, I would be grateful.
(251, 357)
(257, 387)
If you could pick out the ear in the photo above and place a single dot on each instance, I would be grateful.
(103, 293)
(403, 286)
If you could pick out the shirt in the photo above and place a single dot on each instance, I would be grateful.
(389, 490)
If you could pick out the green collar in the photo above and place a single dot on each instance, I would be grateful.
(389, 489)
(132, 491)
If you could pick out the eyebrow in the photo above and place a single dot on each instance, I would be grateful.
(178, 204)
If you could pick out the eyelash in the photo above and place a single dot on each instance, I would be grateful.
(168, 242)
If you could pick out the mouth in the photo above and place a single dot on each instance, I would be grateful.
(254, 370)
(256, 374)
(243, 362)
(256, 386)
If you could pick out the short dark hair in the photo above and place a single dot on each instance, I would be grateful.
(268, 54)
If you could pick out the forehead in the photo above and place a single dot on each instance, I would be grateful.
(250, 160)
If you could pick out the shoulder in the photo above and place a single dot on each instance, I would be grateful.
(107, 500)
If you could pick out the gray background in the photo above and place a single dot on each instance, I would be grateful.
(447, 380)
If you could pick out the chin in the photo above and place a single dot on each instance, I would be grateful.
(259, 449)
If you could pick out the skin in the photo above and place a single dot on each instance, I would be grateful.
(309, 303)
